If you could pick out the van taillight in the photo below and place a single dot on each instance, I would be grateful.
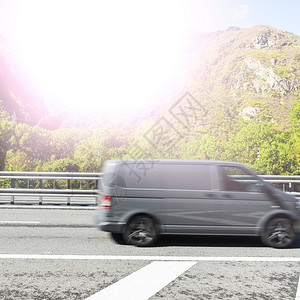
(105, 202)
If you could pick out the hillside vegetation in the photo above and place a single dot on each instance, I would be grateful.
(237, 98)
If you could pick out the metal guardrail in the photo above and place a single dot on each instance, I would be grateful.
(49, 188)
(287, 183)
(81, 188)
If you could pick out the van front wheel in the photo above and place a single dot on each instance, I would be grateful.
(279, 233)
(140, 231)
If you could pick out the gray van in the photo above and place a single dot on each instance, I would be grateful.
(143, 198)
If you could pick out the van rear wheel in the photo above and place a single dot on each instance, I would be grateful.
(140, 231)
(279, 233)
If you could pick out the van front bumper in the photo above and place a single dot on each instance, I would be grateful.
(111, 226)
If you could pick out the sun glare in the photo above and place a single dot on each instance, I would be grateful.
(100, 56)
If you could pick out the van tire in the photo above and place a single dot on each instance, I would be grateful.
(279, 233)
(140, 231)
(118, 238)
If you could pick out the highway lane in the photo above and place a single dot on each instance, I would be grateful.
(71, 230)
(91, 241)
(62, 278)
(60, 216)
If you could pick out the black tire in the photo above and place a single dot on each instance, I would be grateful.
(279, 233)
(118, 238)
(140, 231)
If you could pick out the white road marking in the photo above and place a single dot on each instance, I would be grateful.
(144, 283)
(49, 207)
(19, 222)
(298, 291)
(151, 258)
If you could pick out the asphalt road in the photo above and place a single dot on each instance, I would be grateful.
(59, 254)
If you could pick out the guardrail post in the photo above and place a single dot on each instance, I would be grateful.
(41, 183)
(69, 187)
(12, 183)
(291, 187)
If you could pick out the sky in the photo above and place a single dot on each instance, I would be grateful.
(222, 14)
(199, 15)
(117, 56)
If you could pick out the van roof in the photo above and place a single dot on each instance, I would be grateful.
(168, 161)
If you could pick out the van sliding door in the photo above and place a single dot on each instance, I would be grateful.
(190, 198)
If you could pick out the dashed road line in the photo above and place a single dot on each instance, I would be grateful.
(48, 207)
(19, 222)
(144, 283)
(150, 258)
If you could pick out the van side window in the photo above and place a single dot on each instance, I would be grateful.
(236, 179)
(189, 177)
(170, 176)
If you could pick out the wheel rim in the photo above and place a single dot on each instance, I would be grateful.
(141, 231)
(280, 233)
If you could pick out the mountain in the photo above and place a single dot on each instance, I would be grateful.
(253, 72)
(19, 97)
(250, 73)
(235, 97)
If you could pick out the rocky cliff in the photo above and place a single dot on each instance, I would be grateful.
(256, 69)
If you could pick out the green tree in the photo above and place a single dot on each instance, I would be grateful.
(295, 117)
(18, 161)
(6, 131)
(34, 141)
(90, 154)
(278, 157)
(64, 141)
(244, 146)
(60, 165)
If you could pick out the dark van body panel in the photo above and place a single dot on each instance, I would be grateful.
(191, 197)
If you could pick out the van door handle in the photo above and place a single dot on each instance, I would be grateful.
(275, 206)
(229, 196)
